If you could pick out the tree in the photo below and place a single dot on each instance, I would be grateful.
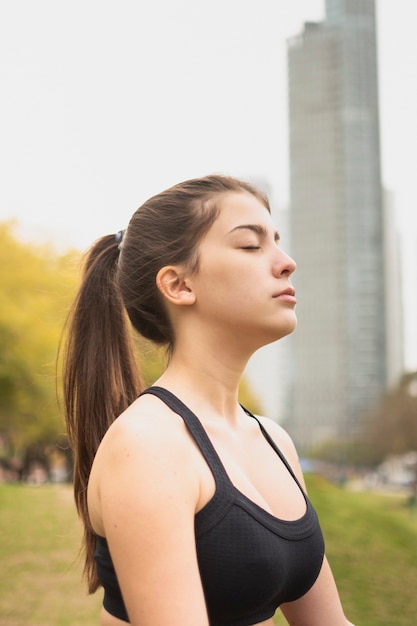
(37, 287)
(393, 429)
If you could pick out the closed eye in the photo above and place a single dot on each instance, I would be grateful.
(251, 247)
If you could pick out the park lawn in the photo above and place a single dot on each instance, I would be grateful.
(371, 544)
(40, 574)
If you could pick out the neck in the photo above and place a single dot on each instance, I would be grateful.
(206, 376)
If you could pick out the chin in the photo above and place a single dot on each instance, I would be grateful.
(286, 329)
(280, 333)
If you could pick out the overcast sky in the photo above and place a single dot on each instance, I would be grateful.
(104, 103)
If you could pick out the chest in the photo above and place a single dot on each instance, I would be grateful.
(256, 470)
(251, 562)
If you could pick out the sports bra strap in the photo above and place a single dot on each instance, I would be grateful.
(202, 439)
(275, 447)
(196, 429)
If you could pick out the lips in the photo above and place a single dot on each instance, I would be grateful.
(290, 291)
(287, 295)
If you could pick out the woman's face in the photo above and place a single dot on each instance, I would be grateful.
(243, 281)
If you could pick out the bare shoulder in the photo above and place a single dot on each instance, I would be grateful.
(148, 434)
(284, 442)
(279, 435)
(148, 423)
(145, 456)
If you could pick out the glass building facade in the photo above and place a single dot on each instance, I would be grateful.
(337, 224)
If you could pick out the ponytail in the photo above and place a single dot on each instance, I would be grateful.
(100, 378)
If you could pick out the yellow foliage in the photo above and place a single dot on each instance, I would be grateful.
(37, 287)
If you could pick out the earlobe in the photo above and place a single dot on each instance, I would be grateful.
(174, 286)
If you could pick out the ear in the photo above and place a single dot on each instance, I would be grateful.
(174, 286)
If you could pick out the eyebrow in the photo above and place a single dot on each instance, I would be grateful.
(256, 228)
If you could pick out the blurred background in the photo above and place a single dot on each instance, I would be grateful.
(104, 104)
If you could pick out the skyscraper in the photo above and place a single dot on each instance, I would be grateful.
(337, 224)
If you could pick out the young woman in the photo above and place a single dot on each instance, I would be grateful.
(195, 511)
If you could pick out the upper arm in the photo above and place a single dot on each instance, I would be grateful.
(147, 503)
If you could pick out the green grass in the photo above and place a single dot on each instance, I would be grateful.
(40, 575)
(371, 544)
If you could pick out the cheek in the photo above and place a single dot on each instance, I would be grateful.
(232, 285)
(223, 288)
(226, 282)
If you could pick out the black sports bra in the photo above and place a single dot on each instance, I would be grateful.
(250, 561)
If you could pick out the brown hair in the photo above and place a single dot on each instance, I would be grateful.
(101, 378)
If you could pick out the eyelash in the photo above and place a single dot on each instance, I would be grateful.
(251, 247)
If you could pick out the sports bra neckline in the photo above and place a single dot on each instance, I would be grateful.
(226, 493)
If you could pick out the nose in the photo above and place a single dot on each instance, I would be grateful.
(283, 265)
